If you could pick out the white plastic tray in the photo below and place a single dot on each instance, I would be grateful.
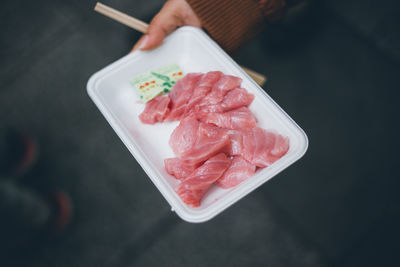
(193, 51)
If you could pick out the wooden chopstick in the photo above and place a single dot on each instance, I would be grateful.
(142, 27)
(121, 17)
(257, 77)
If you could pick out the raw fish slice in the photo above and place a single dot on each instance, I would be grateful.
(212, 108)
(195, 142)
(196, 98)
(184, 136)
(193, 188)
(186, 83)
(156, 110)
(210, 141)
(177, 111)
(203, 87)
(234, 119)
(181, 94)
(220, 89)
(281, 146)
(235, 146)
(179, 168)
(237, 98)
(262, 147)
(209, 79)
(227, 83)
(239, 171)
(176, 90)
(211, 130)
(212, 98)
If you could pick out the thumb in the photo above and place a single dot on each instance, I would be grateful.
(139, 44)
(162, 24)
(155, 36)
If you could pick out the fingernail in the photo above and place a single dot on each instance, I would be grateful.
(143, 42)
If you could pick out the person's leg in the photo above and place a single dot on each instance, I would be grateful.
(23, 211)
(22, 207)
(24, 214)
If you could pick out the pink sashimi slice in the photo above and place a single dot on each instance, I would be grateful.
(184, 136)
(180, 95)
(237, 98)
(179, 168)
(235, 146)
(227, 83)
(196, 97)
(186, 83)
(211, 131)
(212, 98)
(210, 141)
(176, 112)
(241, 118)
(195, 142)
(156, 110)
(202, 88)
(262, 147)
(281, 146)
(193, 188)
(239, 171)
(209, 79)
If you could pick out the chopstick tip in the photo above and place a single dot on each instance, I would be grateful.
(96, 7)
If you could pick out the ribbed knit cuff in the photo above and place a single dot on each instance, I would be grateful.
(273, 10)
(230, 23)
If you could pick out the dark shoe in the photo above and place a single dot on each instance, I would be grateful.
(63, 211)
(18, 153)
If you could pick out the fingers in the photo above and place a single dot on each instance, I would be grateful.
(165, 22)
(139, 43)
(173, 14)
(162, 25)
(158, 30)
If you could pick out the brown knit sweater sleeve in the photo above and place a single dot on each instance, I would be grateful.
(234, 22)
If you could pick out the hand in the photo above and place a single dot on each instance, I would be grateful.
(174, 14)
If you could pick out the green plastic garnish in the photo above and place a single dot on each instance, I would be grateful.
(155, 82)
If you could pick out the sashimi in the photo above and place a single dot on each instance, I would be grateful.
(196, 142)
(217, 139)
(209, 79)
(234, 119)
(156, 110)
(235, 146)
(179, 168)
(186, 83)
(262, 147)
(211, 130)
(210, 141)
(237, 98)
(180, 95)
(239, 170)
(211, 108)
(193, 188)
(202, 88)
(225, 84)
(184, 136)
